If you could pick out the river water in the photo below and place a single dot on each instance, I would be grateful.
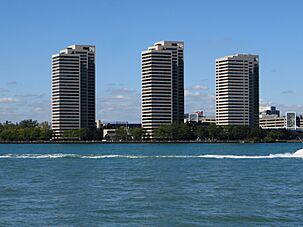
(151, 185)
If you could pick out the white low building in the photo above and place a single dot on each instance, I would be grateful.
(109, 134)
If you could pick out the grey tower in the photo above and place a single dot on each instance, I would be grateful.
(162, 85)
(73, 89)
(237, 90)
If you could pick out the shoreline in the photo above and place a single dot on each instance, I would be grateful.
(147, 142)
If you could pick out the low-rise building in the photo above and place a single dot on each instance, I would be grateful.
(292, 121)
(301, 121)
(269, 111)
(109, 133)
(109, 128)
(193, 117)
(118, 124)
(208, 120)
(272, 122)
(197, 118)
(98, 124)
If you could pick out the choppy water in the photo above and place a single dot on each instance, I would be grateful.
(151, 185)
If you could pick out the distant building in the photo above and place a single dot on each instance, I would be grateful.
(272, 122)
(269, 118)
(291, 120)
(98, 124)
(301, 121)
(109, 129)
(118, 124)
(109, 133)
(237, 90)
(269, 111)
(208, 120)
(193, 117)
(198, 118)
(162, 85)
(73, 89)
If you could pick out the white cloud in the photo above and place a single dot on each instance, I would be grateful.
(25, 106)
(199, 87)
(283, 107)
(264, 103)
(114, 90)
(197, 100)
(119, 103)
(7, 100)
(31, 96)
(118, 97)
(189, 93)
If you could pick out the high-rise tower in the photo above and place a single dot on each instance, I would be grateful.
(162, 85)
(237, 90)
(73, 89)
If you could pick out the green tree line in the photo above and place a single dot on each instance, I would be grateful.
(31, 130)
(125, 134)
(26, 130)
(208, 133)
(214, 132)
(83, 134)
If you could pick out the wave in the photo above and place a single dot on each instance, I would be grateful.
(297, 154)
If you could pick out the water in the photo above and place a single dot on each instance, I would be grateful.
(151, 185)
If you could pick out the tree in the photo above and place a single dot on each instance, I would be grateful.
(214, 131)
(99, 134)
(180, 131)
(163, 132)
(235, 132)
(174, 131)
(28, 123)
(26, 130)
(31, 130)
(121, 134)
(46, 131)
(201, 132)
(137, 133)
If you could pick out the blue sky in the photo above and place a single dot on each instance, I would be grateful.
(31, 31)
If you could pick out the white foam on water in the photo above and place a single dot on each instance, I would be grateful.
(297, 154)
(285, 155)
(59, 155)
(115, 156)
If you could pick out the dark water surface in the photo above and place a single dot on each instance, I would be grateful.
(151, 185)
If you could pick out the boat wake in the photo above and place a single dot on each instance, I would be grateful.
(297, 154)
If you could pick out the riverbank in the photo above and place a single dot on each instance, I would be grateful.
(147, 142)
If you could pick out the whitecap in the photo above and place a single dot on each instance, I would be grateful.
(297, 154)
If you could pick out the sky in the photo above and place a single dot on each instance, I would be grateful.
(31, 31)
